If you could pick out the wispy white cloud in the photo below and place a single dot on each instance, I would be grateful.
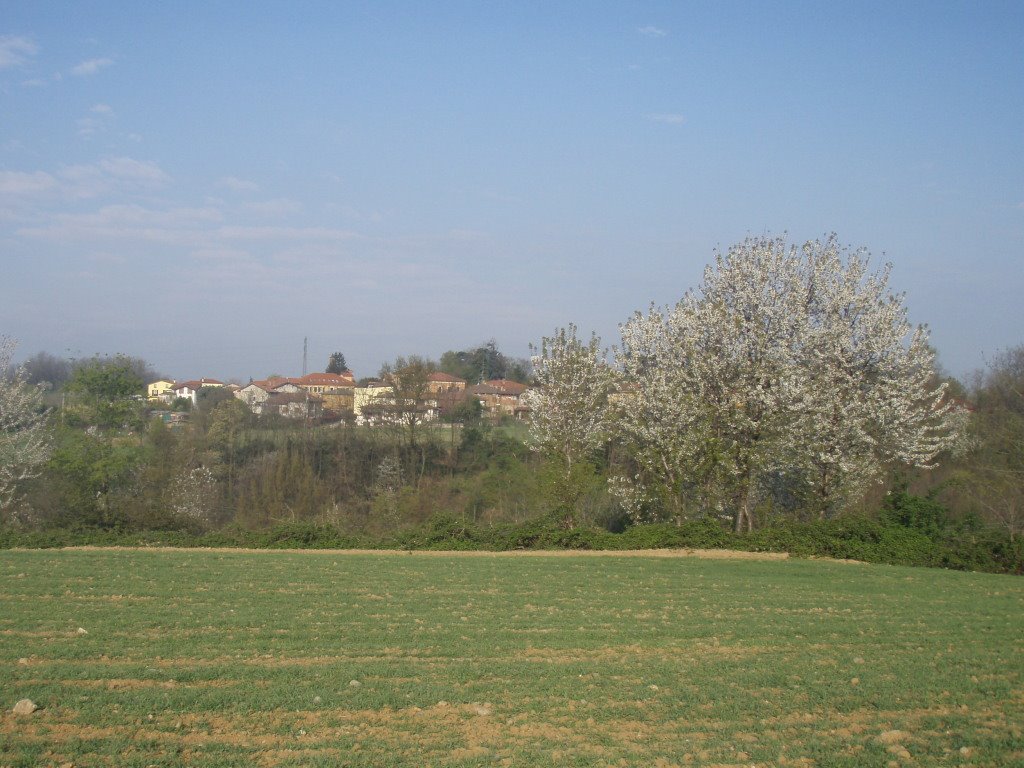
(179, 226)
(221, 254)
(279, 207)
(651, 31)
(16, 51)
(84, 181)
(129, 169)
(110, 175)
(98, 119)
(21, 183)
(354, 214)
(91, 66)
(286, 233)
(238, 185)
(670, 118)
(201, 229)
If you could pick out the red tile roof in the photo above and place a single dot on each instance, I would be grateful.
(327, 379)
(507, 386)
(445, 377)
(276, 381)
(197, 383)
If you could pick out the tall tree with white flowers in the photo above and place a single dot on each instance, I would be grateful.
(25, 442)
(790, 363)
(869, 394)
(569, 405)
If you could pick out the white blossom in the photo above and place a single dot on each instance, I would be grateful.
(193, 494)
(569, 406)
(25, 442)
(787, 362)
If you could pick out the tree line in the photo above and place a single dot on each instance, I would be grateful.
(788, 386)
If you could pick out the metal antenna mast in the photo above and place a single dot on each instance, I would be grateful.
(305, 350)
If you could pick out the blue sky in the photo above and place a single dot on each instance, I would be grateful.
(205, 184)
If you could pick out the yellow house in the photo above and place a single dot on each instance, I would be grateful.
(160, 390)
(337, 391)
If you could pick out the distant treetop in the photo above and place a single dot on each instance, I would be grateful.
(485, 363)
(336, 363)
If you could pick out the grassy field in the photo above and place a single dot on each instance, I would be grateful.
(221, 658)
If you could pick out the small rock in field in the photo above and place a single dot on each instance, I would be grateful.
(858, 660)
(25, 707)
(481, 709)
(442, 703)
(855, 681)
(965, 751)
(23, 660)
(82, 631)
(891, 737)
(354, 684)
(317, 699)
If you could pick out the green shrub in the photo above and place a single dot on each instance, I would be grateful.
(443, 531)
(306, 536)
(910, 531)
(921, 513)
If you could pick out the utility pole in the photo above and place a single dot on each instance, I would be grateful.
(305, 360)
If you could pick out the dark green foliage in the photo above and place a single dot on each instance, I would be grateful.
(705, 533)
(94, 478)
(306, 536)
(105, 393)
(920, 513)
(855, 538)
(881, 541)
(484, 363)
(336, 364)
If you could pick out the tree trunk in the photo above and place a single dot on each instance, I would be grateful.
(745, 511)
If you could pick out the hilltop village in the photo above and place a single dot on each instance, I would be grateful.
(332, 397)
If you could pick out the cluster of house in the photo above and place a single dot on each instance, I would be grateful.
(336, 396)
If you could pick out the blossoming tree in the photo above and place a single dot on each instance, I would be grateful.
(569, 406)
(787, 363)
(24, 439)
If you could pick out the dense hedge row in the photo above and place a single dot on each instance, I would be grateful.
(909, 531)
